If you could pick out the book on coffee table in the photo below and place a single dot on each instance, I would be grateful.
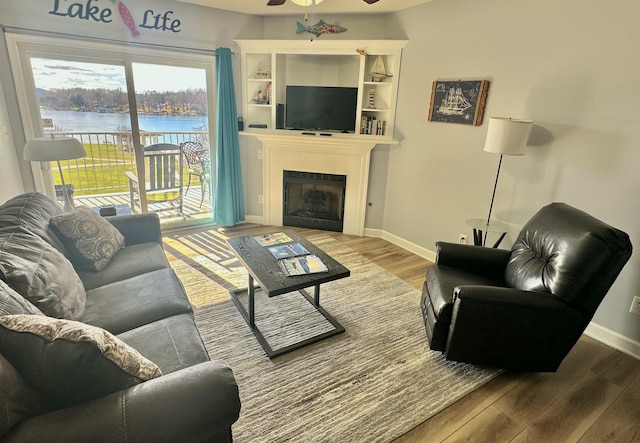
(272, 238)
(288, 250)
(307, 264)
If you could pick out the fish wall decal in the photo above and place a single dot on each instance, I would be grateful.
(127, 18)
(320, 28)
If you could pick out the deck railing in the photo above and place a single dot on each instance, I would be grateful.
(109, 156)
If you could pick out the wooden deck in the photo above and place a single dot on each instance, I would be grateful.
(191, 205)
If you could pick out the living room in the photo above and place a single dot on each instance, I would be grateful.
(565, 65)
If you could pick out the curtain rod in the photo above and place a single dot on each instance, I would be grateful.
(17, 30)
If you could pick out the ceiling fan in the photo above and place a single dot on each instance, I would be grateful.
(282, 2)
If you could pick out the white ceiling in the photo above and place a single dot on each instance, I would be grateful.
(259, 7)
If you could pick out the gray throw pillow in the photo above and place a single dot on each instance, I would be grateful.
(70, 362)
(41, 274)
(13, 303)
(90, 240)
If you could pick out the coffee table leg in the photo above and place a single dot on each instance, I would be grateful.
(316, 295)
(251, 288)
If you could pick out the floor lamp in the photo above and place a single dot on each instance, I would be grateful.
(47, 149)
(505, 136)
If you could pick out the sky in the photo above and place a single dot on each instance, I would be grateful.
(64, 74)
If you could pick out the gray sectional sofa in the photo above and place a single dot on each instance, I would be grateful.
(61, 319)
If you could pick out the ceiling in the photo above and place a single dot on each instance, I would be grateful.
(259, 7)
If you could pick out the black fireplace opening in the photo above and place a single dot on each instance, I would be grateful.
(313, 200)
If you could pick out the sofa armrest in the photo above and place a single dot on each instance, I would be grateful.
(195, 404)
(476, 259)
(138, 228)
(512, 329)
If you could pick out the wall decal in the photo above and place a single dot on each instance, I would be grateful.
(89, 10)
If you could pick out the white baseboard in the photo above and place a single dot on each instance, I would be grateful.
(613, 339)
(257, 219)
(409, 246)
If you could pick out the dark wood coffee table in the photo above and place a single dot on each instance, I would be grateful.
(264, 270)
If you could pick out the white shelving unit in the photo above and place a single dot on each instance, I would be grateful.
(268, 66)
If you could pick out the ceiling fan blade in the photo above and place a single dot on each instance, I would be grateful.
(370, 1)
(277, 2)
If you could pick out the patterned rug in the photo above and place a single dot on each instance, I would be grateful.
(372, 383)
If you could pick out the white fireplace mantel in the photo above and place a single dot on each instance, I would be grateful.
(340, 155)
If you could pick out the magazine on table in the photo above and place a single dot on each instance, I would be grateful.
(288, 250)
(272, 238)
(307, 264)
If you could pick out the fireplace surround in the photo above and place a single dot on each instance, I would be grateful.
(338, 155)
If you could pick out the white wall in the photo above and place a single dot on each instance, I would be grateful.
(11, 179)
(572, 67)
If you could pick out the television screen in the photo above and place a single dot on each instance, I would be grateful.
(321, 108)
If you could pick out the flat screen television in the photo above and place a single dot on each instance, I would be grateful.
(321, 108)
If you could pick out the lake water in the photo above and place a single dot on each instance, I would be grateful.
(72, 121)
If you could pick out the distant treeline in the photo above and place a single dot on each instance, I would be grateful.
(188, 102)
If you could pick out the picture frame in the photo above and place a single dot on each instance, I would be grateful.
(458, 101)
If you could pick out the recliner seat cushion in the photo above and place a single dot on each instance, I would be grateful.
(136, 301)
(172, 343)
(129, 262)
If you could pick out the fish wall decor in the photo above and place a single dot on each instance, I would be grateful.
(127, 18)
(320, 28)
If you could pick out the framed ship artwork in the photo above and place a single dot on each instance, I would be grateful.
(460, 101)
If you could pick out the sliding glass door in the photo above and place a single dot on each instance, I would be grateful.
(121, 107)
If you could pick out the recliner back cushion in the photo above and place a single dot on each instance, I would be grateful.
(568, 253)
(32, 211)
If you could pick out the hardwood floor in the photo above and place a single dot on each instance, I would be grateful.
(593, 397)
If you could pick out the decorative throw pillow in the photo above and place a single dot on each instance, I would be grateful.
(90, 240)
(41, 274)
(71, 362)
(13, 303)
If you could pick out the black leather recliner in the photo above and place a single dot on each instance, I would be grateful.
(523, 309)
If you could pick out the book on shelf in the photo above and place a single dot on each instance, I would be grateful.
(306, 264)
(288, 250)
(272, 238)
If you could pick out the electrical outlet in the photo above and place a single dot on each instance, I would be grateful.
(635, 306)
(260, 200)
(462, 239)
(260, 154)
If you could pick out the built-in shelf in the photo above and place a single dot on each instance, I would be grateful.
(320, 63)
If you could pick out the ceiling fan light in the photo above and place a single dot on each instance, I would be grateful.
(306, 2)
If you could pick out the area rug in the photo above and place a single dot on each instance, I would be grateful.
(372, 383)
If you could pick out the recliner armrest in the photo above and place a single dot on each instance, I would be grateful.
(195, 404)
(477, 259)
(138, 228)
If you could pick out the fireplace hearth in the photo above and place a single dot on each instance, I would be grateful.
(313, 200)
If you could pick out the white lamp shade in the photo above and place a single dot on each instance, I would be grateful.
(49, 149)
(507, 136)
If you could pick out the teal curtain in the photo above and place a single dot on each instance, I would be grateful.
(228, 200)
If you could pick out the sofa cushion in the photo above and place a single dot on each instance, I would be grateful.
(13, 303)
(41, 274)
(19, 401)
(136, 301)
(89, 239)
(172, 343)
(32, 211)
(128, 262)
(70, 362)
